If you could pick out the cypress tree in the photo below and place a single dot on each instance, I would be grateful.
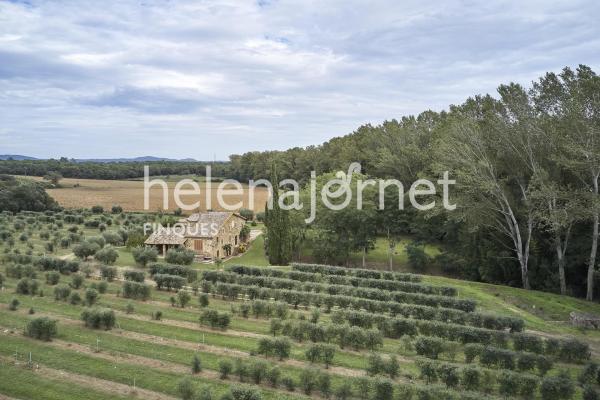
(278, 232)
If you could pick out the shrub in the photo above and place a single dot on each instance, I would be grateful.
(196, 364)
(76, 281)
(102, 287)
(186, 389)
(107, 255)
(183, 298)
(27, 286)
(526, 362)
(508, 384)
(168, 281)
(344, 391)
(429, 347)
(62, 292)
(144, 255)
(225, 368)
(52, 277)
(91, 295)
(471, 377)
(129, 309)
(203, 300)
(449, 375)
(288, 383)
(135, 276)
(99, 318)
(116, 209)
(308, 380)
(588, 374)
(75, 298)
(247, 214)
(180, 256)
(573, 350)
(589, 393)
(324, 384)
(41, 328)
(558, 387)
(156, 315)
(135, 290)
(258, 371)
(384, 389)
(85, 249)
(113, 238)
(14, 304)
(273, 376)
(97, 209)
(417, 258)
(108, 273)
(472, 350)
(245, 393)
(215, 319)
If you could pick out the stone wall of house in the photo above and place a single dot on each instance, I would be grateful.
(228, 234)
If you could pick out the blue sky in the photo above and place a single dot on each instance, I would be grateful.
(204, 79)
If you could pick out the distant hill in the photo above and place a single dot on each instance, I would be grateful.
(100, 160)
(16, 157)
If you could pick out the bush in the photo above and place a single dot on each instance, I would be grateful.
(97, 209)
(74, 299)
(14, 304)
(180, 256)
(558, 387)
(225, 368)
(41, 328)
(247, 214)
(429, 347)
(91, 295)
(144, 255)
(196, 364)
(108, 273)
(572, 350)
(288, 383)
(116, 209)
(203, 300)
(308, 380)
(62, 292)
(186, 389)
(273, 376)
(589, 393)
(258, 371)
(245, 393)
(470, 377)
(508, 384)
(52, 277)
(417, 258)
(85, 249)
(107, 255)
(99, 318)
(113, 238)
(135, 276)
(344, 391)
(77, 281)
(384, 389)
(129, 309)
(215, 319)
(27, 286)
(183, 298)
(156, 315)
(168, 281)
(135, 290)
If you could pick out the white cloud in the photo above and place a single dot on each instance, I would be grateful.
(191, 78)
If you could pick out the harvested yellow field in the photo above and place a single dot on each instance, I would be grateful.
(85, 193)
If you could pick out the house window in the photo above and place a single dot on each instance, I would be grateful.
(198, 245)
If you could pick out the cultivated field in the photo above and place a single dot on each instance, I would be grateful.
(302, 331)
(76, 193)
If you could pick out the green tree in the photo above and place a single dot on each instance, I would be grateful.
(278, 236)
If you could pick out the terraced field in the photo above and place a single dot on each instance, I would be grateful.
(302, 331)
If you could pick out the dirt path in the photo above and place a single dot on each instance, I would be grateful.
(98, 384)
(4, 397)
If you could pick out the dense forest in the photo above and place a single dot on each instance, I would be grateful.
(527, 166)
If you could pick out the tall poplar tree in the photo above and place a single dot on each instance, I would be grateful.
(278, 244)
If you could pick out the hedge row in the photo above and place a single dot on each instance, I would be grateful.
(478, 320)
(297, 297)
(263, 308)
(57, 264)
(506, 359)
(509, 384)
(385, 284)
(215, 319)
(358, 272)
(135, 290)
(168, 281)
(135, 276)
(169, 269)
(342, 335)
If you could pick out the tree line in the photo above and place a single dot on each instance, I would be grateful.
(527, 171)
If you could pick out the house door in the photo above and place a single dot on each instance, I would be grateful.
(198, 245)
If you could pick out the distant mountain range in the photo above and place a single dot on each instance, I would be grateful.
(99, 160)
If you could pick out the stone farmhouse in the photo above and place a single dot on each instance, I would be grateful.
(212, 235)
